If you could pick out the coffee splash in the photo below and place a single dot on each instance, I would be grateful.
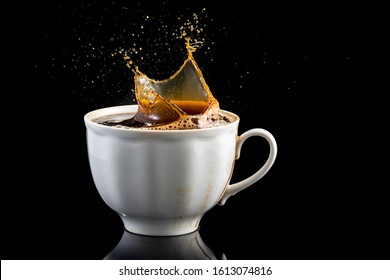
(184, 101)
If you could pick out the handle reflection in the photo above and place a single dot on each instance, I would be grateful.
(140, 247)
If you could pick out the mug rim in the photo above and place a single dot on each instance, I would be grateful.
(118, 109)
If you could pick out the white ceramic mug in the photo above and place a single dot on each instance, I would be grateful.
(161, 182)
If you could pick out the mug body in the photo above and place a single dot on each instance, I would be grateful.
(160, 182)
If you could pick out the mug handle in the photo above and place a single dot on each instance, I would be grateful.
(237, 187)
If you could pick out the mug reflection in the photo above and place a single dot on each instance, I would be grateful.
(141, 247)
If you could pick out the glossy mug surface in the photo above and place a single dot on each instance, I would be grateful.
(161, 182)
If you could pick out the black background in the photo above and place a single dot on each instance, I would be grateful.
(306, 73)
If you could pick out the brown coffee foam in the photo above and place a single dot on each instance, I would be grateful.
(192, 122)
(187, 123)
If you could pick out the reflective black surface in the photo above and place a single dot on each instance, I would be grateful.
(307, 74)
(140, 247)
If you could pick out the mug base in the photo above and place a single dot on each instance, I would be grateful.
(160, 227)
